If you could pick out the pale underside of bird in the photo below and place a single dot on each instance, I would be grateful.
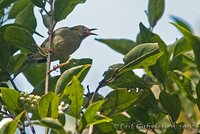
(65, 41)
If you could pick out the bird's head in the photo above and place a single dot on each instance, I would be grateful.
(84, 31)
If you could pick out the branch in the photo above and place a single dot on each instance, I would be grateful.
(30, 123)
(50, 32)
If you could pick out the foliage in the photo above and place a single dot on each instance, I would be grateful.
(131, 106)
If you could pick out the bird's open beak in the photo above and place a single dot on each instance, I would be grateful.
(91, 33)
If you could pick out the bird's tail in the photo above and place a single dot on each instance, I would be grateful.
(36, 57)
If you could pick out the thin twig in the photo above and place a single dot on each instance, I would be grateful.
(96, 91)
(60, 65)
(50, 32)
(30, 123)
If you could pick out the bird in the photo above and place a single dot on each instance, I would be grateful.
(65, 41)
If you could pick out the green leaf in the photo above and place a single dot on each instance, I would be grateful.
(39, 3)
(10, 127)
(182, 23)
(171, 103)
(183, 63)
(39, 88)
(159, 70)
(193, 40)
(19, 63)
(17, 7)
(23, 39)
(89, 114)
(53, 124)
(66, 77)
(30, 30)
(182, 46)
(184, 83)
(48, 105)
(127, 80)
(5, 3)
(10, 97)
(4, 76)
(26, 17)
(120, 100)
(74, 62)
(155, 11)
(122, 46)
(198, 95)
(104, 128)
(4, 53)
(141, 56)
(179, 129)
(140, 115)
(62, 8)
(74, 91)
(35, 74)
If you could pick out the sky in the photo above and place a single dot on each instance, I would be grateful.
(116, 19)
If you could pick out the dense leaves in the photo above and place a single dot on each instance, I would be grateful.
(167, 93)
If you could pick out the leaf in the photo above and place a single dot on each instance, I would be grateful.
(120, 100)
(179, 128)
(184, 83)
(159, 70)
(141, 56)
(17, 7)
(39, 3)
(193, 40)
(182, 23)
(127, 80)
(122, 46)
(140, 115)
(155, 11)
(53, 124)
(183, 63)
(10, 128)
(104, 128)
(5, 3)
(171, 103)
(4, 53)
(74, 91)
(23, 39)
(39, 88)
(48, 105)
(35, 74)
(89, 114)
(74, 62)
(19, 63)
(10, 97)
(182, 46)
(198, 95)
(64, 7)
(4, 76)
(66, 77)
(26, 17)
(30, 30)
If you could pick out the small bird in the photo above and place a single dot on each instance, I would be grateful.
(65, 41)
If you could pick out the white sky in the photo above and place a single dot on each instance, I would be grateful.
(117, 19)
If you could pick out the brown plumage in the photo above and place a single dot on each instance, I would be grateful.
(65, 41)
